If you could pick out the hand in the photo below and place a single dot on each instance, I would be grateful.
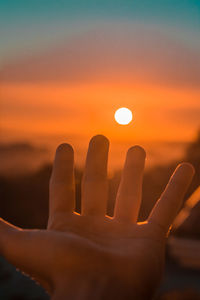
(93, 256)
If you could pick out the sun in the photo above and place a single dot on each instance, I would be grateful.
(123, 116)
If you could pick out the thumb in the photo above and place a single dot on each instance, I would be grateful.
(25, 250)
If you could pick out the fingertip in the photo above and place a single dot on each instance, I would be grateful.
(100, 139)
(64, 149)
(187, 166)
(185, 170)
(137, 151)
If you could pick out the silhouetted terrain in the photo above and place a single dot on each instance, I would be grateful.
(21, 158)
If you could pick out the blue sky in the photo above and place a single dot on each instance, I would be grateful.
(28, 26)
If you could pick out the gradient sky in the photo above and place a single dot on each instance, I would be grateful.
(25, 25)
(66, 66)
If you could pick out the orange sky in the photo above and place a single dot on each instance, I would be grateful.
(51, 114)
(70, 91)
(158, 113)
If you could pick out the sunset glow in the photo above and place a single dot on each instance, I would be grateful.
(67, 86)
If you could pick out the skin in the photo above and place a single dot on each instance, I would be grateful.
(93, 256)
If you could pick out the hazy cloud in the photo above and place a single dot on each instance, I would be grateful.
(112, 53)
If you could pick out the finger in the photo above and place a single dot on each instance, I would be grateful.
(130, 190)
(62, 187)
(94, 183)
(171, 200)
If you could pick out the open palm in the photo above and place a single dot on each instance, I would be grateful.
(91, 255)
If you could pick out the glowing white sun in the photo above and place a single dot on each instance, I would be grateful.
(123, 116)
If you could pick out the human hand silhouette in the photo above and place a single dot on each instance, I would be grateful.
(91, 255)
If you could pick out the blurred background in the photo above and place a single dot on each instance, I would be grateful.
(65, 68)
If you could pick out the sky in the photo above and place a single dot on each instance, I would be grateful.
(66, 66)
